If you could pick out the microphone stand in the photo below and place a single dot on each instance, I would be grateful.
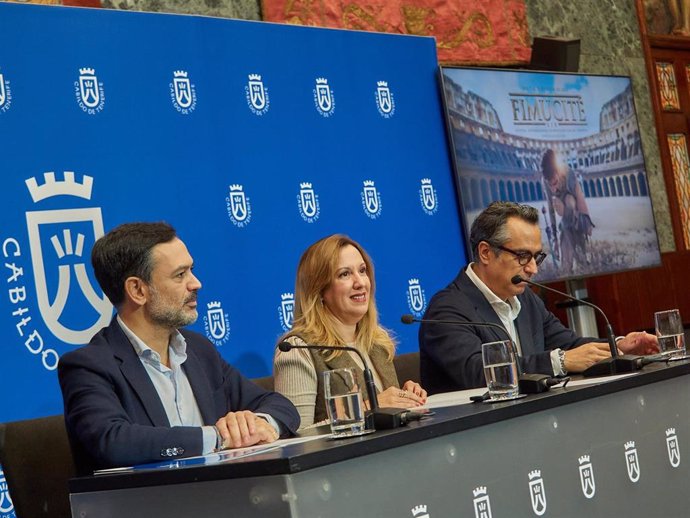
(380, 418)
(617, 364)
(529, 383)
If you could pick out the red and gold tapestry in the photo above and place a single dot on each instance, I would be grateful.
(467, 31)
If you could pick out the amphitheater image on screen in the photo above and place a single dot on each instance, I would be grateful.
(567, 144)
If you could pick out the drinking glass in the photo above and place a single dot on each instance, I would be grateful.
(669, 331)
(344, 403)
(500, 370)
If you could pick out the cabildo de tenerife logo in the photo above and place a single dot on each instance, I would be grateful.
(65, 299)
(238, 206)
(416, 300)
(632, 461)
(537, 492)
(482, 504)
(587, 476)
(323, 97)
(5, 94)
(672, 447)
(216, 324)
(182, 92)
(428, 197)
(308, 202)
(6, 505)
(420, 511)
(371, 200)
(257, 95)
(286, 310)
(384, 100)
(89, 92)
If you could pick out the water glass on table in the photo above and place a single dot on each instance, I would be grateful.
(670, 333)
(344, 403)
(500, 370)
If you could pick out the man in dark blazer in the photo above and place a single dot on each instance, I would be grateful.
(144, 390)
(506, 241)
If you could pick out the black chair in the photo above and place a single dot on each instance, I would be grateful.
(407, 367)
(37, 461)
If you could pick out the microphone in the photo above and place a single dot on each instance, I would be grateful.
(529, 383)
(617, 363)
(381, 418)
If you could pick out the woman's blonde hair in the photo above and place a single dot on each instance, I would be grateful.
(313, 321)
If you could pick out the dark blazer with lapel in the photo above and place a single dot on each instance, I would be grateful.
(450, 355)
(114, 416)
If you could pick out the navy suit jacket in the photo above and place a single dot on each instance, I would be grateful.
(450, 355)
(114, 416)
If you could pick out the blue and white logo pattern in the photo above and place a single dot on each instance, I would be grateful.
(673, 447)
(286, 310)
(420, 511)
(60, 273)
(323, 97)
(257, 95)
(371, 200)
(537, 492)
(67, 231)
(5, 94)
(632, 462)
(89, 91)
(482, 504)
(6, 505)
(238, 206)
(428, 197)
(587, 476)
(183, 92)
(384, 100)
(216, 324)
(308, 202)
(416, 300)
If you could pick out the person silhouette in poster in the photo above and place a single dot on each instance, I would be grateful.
(565, 197)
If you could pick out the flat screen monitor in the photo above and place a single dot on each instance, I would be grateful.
(567, 144)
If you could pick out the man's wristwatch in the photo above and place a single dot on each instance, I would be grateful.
(561, 358)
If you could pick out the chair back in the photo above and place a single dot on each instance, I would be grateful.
(37, 461)
(407, 367)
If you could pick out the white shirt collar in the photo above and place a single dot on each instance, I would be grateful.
(177, 345)
(510, 308)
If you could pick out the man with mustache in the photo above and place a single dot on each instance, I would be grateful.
(145, 390)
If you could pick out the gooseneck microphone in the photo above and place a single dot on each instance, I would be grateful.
(529, 383)
(381, 418)
(617, 363)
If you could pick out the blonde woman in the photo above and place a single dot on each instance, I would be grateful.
(334, 305)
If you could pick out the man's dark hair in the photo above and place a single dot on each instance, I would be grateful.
(125, 252)
(549, 165)
(490, 225)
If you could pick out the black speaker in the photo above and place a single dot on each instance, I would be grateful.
(557, 54)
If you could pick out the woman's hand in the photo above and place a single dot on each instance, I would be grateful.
(410, 396)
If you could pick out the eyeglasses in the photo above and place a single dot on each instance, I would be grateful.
(525, 257)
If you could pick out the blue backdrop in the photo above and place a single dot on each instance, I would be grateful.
(252, 139)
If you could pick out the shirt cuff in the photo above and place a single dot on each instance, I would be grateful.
(210, 436)
(276, 426)
(556, 363)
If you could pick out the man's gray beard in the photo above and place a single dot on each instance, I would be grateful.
(173, 319)
(170, 317)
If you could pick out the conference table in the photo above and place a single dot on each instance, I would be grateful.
(615, 446)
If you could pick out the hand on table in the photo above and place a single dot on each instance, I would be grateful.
(586, 355)
(411, 395)
(244, 428)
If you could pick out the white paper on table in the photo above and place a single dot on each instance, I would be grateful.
(462, 397)
(214, 457)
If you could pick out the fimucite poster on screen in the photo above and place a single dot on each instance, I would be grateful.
(567, 144)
